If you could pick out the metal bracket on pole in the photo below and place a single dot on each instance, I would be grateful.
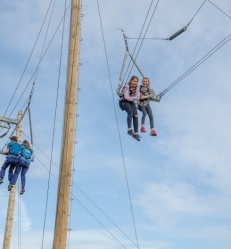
(6, 124)
(8, 121)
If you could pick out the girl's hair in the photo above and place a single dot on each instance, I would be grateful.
(27, 144)
(132, 78)
(14, 138)
(145, 78)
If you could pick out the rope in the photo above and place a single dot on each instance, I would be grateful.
(137, 41)
(28, 60)
(109, 75)
(72, 71)
(28, 105)
(150, 38)
(54, 121)
(197, 64)
(45, 38)
(41, 59)
(153, 13)
(75, 198)
(100, 223)
(85, 195)
(219, 9)
(197, 12)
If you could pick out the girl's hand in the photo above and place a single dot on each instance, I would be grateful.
(144, 97)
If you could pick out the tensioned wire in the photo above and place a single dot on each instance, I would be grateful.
(64, 173)
(83, 193)
(137, 42)
(153, 13)
(224, 41)
(75, 198)
(145, 38)
(117, 122)
(54, 120)
(220, 9)
(28, 59)
(202, 60)
(41, 59)
(142, 39)
(152, 38)
(197, 64)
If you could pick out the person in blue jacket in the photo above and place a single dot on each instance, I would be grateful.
(22, 166)
(12, 151)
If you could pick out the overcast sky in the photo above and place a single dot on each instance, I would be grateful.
(179, 182)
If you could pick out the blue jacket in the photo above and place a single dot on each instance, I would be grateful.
(14, 148)
(26, 154)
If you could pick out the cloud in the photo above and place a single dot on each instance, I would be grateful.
(168, 203)
(179, 180)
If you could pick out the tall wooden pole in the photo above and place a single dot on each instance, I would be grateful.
(62, 209)
(11, 202)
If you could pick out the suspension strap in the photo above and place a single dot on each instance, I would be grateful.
(31, 134)
(28, 106)
(121, 83)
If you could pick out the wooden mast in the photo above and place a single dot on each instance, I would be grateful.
(62, 209)
(11, 202)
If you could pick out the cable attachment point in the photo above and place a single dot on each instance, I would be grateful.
(178, 33)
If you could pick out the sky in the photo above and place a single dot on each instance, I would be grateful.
(178, 183)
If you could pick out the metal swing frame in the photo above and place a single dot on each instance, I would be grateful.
(155, 97)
